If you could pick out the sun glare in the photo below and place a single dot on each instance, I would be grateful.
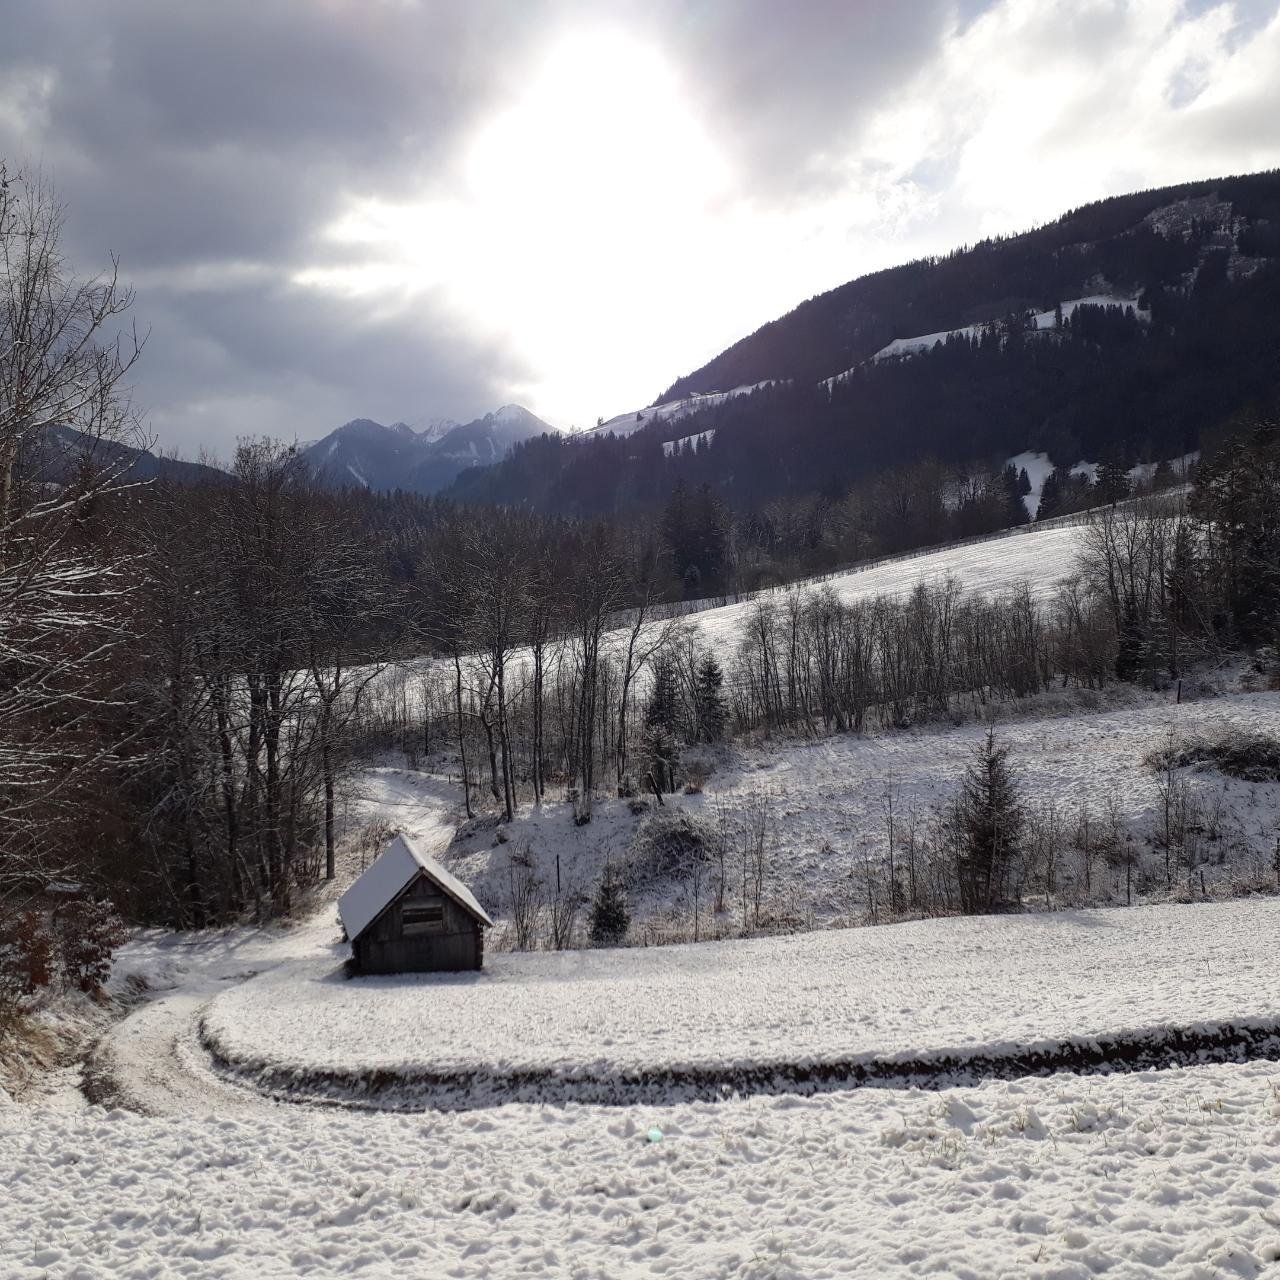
(570, 203)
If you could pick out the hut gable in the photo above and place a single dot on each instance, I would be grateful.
(406, 912)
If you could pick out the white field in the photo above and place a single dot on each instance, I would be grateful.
(1042, 558)
(1172, 1175)
(930, 989)
(1169, 1174)
(1156, 1174)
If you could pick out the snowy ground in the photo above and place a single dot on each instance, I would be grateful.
(825, 799)
(152, 1061)
(1040, 557)
(950, 989)
(1174, 1174)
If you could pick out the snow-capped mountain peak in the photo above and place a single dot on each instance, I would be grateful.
(426, 459)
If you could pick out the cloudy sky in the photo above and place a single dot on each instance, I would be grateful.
(409, 209)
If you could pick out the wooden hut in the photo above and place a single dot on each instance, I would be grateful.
(407, 914)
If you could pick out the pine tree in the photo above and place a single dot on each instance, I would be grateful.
(660, 745)
(1050, 498)
(709, 699)
(988, 820)
(1024, 482)
(610, 918)
(1014, 507)
(1112, 481)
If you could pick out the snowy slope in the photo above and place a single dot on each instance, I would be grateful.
(1040, 321)
(920, 990)
(624, 424)
(1040, 557)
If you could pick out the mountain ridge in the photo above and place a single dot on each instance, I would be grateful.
(374, 456)
(1126, 327)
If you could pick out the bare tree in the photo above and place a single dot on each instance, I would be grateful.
(524, 895)
(64, 415)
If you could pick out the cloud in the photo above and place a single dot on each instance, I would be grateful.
(397, 208)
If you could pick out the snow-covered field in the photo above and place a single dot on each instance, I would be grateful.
(950, 989)
(191, 1169)
(1040, 557)
(1173, 1175)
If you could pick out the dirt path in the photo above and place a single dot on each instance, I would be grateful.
(152, 1061)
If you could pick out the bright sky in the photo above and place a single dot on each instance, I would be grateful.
(572, 206)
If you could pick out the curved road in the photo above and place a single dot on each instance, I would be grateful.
(152, 1061)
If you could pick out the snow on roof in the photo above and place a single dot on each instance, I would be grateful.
(388, 875)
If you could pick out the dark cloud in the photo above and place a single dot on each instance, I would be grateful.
(217, 139)
(789, 84)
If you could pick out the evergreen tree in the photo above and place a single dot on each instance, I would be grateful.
(1015, 509)
(1050, 497)
(696, 527)
(988, 823)
(1024, 482)
(659, 743)
(1112, 481)
(610, 918)
(709, 700)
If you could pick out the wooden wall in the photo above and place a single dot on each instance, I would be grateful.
(385, 947)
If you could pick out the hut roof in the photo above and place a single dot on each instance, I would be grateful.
(387, 876)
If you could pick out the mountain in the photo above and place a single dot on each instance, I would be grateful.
(61, 452)
(425, 460)
(1125, 328)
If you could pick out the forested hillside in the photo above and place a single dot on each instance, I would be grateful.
(1181, 338)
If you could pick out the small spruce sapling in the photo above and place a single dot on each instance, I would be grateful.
(610, 918)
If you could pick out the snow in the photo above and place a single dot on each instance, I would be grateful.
(925, 342)
(1145, 472)
(398, 864)
(1172, 1175)
(695, 441)
(825, 798)
(1042, 557)
(625, 424)
(1039, 467)
(1039, 321)
(922, 990)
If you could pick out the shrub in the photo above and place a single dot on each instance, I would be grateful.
(1239, 753)
(696, 771)
(27, 958)
(667, 844)
(88, 934)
